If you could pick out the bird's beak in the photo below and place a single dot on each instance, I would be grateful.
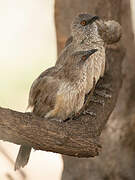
(93, 19)
(90, 52)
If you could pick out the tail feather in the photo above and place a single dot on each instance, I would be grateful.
(22, 157)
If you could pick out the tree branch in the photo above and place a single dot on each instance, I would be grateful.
(79, 137)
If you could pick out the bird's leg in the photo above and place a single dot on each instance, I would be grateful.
(102, 88)
(101, 84)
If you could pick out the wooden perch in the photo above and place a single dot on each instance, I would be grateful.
(78, 137)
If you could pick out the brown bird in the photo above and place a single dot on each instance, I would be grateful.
(59, 92)
(90, 32)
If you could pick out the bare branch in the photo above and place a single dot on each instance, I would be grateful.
(79, 137)
(43, 134)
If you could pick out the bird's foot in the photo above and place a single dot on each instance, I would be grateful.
(98, 101)
(103, 94)
(76, 115)
(105, 87)
(86, 112)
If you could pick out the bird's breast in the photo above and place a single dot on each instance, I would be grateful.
(95, 67)
(73, 95)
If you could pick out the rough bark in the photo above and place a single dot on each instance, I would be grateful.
(78, 137)
(47, 135)
(117, 159)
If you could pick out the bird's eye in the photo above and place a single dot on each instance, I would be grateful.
(83, 23)
(84, 57)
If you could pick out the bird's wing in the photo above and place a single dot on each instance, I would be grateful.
(46, 96)
(42, 93)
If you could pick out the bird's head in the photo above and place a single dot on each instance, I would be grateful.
(84, 27)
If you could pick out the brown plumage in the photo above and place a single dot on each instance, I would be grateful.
(58, 93)
(90, 32)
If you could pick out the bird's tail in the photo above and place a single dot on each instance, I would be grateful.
(22, 157)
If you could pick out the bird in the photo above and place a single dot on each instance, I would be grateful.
(59, 92)
(89, 32)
